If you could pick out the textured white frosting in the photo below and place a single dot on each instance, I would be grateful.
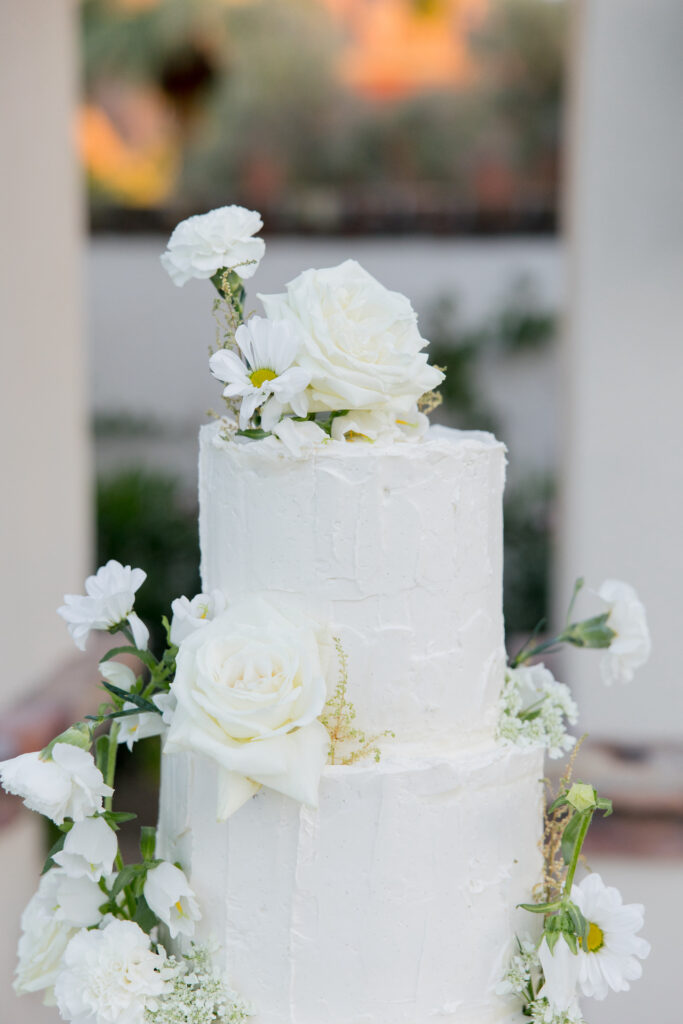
(398, 548)
(393, 903)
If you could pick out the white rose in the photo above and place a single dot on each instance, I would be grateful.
(299, 437)
(218, 240)
(109, 976)
(89, 849)
(630, 648)
(360, 341)
(53, 915)
(379, 425)
(189, 615)
(169, 896)
(107, 602)
(68, 784)
(250, 687)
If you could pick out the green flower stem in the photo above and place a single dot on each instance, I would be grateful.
(547, 645)
(571, 871)
(111, 760)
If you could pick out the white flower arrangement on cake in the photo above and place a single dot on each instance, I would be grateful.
(338, 356)
(247, 685)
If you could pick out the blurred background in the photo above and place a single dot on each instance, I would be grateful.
(514, 166)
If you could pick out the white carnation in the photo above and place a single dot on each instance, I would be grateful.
(250, 687)
(299, 437)
(107, 602)
(67, 784)
(60, 907)
(631, 646)
(359, 341)
(218, 240)
(110, 976)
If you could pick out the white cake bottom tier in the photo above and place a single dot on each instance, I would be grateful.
(392, 903)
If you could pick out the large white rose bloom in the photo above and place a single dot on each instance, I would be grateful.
(614, 949)
(108, 600)
(220, 239)
(89, 849)
(250, 687)
(630, 648)
(109, 976)
(68, 784)
(168, 894)
(53, 915)
(360, 341)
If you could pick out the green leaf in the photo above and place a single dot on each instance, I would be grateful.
(570, 835)
(148, 841)
(539, 908)
(560, 801)
(116, 818)
(102, 753)
(255, 433)
(605, 805)
(55, 848)
(126, 877)
(132, 698)
(146, 657)
(143, 916)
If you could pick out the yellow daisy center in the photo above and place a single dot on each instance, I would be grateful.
(596, 938)
(259, 377)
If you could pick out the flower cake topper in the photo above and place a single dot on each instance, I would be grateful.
(337, 349)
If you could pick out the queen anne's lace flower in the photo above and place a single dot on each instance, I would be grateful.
(219, 240)
(110, 976)
(198, 995)
(108, 602)
(534, 710)
(267, 379)
(67, 784)
(613, 951)
(631, 646)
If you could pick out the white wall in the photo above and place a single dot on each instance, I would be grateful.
(623, 353)
(45, 532)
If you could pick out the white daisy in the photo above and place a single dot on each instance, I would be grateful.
(611, 958)
(266, 379)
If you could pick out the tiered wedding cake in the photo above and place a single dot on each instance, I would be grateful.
(394, 901)
(351, 774)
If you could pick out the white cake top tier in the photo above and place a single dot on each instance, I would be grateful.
(397, 548)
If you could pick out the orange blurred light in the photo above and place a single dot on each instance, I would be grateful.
(140, 176)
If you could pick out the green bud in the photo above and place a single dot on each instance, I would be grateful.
(582, 796)
(78, 735)
(590, 633)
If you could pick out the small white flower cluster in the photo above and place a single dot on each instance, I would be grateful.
(336, 342)
(535, 709)
(543, 1012)
(524, 964)
(197, 995)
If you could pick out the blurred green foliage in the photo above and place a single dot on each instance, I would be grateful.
(143, 520)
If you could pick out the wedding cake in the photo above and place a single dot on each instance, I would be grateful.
(394, 900)
(351, 825)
